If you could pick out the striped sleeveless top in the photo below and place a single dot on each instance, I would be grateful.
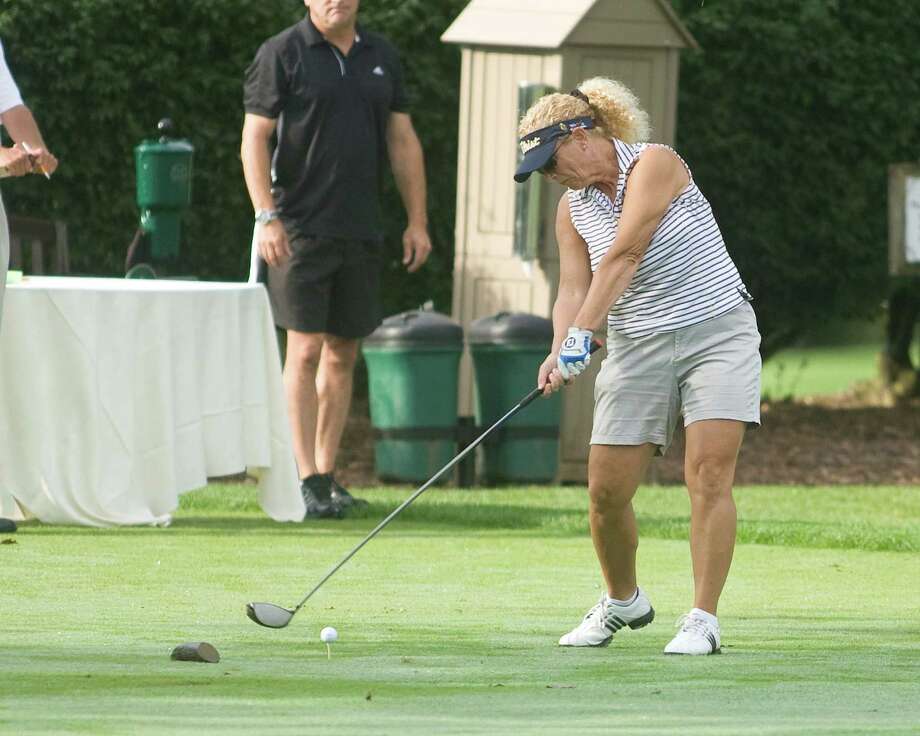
(685, 276)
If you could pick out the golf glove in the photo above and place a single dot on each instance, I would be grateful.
(575, 354)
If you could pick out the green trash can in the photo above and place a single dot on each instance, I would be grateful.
(413, 363)
(163, 169)
(507, 350)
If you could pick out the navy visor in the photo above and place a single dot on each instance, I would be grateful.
(538, 147)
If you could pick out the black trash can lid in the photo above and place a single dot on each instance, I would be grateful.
(417, 327)
(511, 327)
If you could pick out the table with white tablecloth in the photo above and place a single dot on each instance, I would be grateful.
(117, 395)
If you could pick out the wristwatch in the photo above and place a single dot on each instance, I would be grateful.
(263, 217)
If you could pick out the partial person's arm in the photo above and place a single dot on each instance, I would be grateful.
(574, 283)
(15, 115)
(14, 162)
(254, 152)
(20, 124)
(408, 163)
(22, 128)
(657, 178)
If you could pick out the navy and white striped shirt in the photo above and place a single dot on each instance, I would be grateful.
(685, 276)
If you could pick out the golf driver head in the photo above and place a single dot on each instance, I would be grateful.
(270, 615)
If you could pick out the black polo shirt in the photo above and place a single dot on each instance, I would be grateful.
(332, 113)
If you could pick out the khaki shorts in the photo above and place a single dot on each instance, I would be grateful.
(705, 371)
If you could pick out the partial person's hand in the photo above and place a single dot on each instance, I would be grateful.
(416, 247)
(274, 246)
(549, 376)
(43, 161)
(575, 353)
(14, 161)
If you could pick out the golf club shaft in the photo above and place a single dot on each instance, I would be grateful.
(399, 509)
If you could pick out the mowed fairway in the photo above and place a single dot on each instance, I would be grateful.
(448, 621)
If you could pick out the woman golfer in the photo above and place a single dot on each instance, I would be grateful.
(640, 250)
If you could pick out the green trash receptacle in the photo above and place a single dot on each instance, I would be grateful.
(163, 169)
(507, 350)
(413, 363)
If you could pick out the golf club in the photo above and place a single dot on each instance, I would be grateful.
(277, 617)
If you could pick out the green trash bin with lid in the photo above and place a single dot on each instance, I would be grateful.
(163, 170)
(413, 363)
(507, 350)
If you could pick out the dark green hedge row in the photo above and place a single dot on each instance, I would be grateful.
(789, 116)
(101, 73)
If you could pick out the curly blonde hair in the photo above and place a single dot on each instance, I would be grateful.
(615, 109)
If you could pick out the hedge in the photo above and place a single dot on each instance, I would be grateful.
(101, 73)
(789, 117)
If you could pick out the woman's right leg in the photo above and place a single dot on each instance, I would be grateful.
(614, 474)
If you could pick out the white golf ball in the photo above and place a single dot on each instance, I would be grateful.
(328, 635)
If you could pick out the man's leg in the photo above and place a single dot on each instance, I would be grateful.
(903, 312)
(614, 474)
(333, 387)
(709, 470)
(301, 364)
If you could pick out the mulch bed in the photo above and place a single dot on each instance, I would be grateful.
(816, 445)
(827, 441)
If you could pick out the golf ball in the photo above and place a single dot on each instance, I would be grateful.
(328, 634)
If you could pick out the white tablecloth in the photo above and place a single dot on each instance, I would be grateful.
(118, 395)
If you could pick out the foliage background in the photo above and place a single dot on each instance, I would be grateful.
(101, 73)
(789, 117)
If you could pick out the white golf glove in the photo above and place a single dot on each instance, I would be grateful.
(575, 353)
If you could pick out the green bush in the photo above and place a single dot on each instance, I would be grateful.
(790, 116)
(99, 74)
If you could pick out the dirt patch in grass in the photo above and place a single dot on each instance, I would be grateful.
(835, 440)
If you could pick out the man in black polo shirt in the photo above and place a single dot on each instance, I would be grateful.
(332, 95)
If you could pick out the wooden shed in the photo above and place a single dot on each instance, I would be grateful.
(513, 50)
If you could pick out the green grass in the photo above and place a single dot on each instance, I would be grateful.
(829, 361)
(448, 620)
(817, 371)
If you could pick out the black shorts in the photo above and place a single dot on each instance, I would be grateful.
(329, 285)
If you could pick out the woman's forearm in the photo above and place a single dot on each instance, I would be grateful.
(610, 281)
(564, 311)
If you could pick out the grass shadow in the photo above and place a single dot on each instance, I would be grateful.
(232, 510)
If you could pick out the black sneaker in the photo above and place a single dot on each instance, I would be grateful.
(318, 498)
(343, 497)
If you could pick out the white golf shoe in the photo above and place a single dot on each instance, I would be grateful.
(698, 634)
(606, 618)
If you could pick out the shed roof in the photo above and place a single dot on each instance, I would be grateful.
(549, 24)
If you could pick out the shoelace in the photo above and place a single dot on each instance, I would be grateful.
(692, 623)
(598, 611)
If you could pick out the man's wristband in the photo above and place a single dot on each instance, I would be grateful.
(263, 217)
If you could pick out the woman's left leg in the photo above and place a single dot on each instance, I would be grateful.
(709, 471)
